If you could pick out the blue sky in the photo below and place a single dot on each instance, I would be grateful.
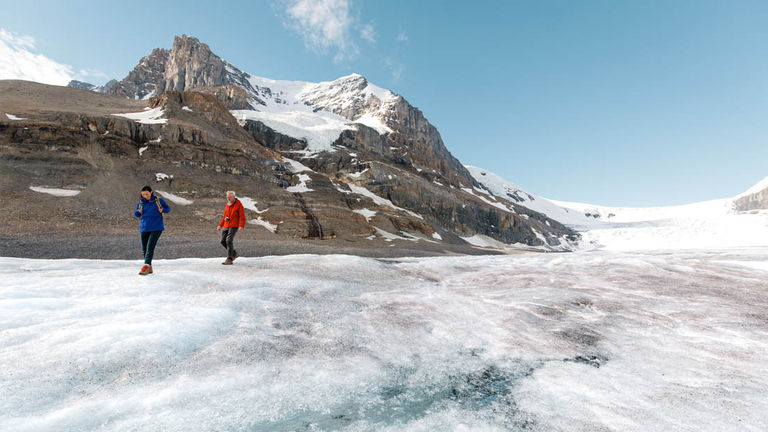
(609, 102)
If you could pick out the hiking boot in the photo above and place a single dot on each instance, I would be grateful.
(227, 261)
(147, 269)
(234, 256)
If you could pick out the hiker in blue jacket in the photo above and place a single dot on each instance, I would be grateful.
(150, 210)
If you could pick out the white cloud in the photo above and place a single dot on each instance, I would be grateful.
(18, 62)
(402, 37)
(368, 33)
(395, 68)
(325, 25)
(83, 73)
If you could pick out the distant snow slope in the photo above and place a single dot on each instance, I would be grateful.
(758, 187)
(514, 193)
(319, 112)
(703, 225)
(587, 341)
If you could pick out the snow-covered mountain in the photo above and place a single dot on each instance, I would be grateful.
(319, 112)
(703, 225)
(314, 112)
(348, 133)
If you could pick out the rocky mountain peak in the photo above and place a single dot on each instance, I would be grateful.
(142, 81)
(82, 85)
(193, 65)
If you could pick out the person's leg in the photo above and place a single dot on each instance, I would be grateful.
(144, 236)
(154, 236)
(224, 233)
(231, 242)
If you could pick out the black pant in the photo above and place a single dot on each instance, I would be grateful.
(228, 241)
(148, 243)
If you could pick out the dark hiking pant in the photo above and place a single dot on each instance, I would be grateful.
(148, 243)
(228, 241)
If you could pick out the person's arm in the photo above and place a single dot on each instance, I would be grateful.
(137, 212)
(164, 205)
(241, 211)
(221, 223)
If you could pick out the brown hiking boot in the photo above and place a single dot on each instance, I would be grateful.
(227, 261)
(234, 256)
(147, 269)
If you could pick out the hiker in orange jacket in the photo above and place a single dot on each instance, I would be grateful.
(232, 221)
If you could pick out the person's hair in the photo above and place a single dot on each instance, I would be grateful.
(231, 192)
(146, 188)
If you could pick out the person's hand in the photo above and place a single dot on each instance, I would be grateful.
(241, 228)
(141, 211)
(218, 228)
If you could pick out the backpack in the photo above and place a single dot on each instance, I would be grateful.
(159, 207)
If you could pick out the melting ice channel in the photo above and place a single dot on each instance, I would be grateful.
(587, 341)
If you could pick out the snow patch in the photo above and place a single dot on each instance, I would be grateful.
(263, 223)
(374, 122)
(379, 200)
(302, 186)
(174, 198)
(55, 191)
(388, 236)
(319, 129)
(296, 166)
(250, 204)
(13, 117)
(368, 214)
(357, 174)
(149, 116)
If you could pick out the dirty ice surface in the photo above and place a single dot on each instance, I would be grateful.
(588, 341)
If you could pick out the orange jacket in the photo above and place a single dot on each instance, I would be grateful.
(234, 215)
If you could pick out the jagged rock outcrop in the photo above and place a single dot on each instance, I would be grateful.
(754, 201)
(142, 82)
(82, 85)
(188, 65)
(413, 132)
(232, 96)
(192, 65)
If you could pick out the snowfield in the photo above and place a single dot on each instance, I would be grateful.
(704, 225)
(586, 341)
(305, 110)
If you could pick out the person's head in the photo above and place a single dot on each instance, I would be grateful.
(146, 192)
(231, 196)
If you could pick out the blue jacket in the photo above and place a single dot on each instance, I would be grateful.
(151, 218)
